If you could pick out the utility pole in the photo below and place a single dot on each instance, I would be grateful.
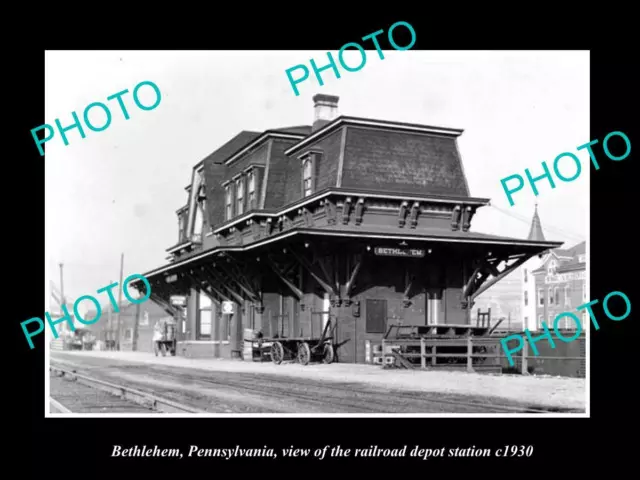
(119, 301)
(134, 343)
(63, 303)
(109, 325)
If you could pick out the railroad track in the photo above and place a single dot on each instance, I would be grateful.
(146, 400)
(370, 401)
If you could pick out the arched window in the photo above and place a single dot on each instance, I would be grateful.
(526, 298)
(525, 277)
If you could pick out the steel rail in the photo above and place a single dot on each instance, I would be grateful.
(489, 407)
(55, 405)
(136, 396)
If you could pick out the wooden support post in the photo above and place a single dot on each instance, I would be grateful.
(433, 356)
(281, 275)
(505, 271)
(217, 333)
(384, 354)
(423, 359)
(469, 354)
(525, 354)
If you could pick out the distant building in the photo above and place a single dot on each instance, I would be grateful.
(528, 287)
(105, 330)
(553, 282)
(561, 286)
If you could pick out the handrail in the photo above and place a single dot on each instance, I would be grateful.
(469, 341)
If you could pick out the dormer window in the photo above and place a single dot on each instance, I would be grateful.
(228, 202)
(200, 214)
(239, 196)
(307, 174)
(552, 268)
(251, 187)
(182, 226)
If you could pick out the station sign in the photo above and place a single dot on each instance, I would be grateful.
(171, 278)
(178, 300)
(399, 252)
(227, 308)
(565, 277)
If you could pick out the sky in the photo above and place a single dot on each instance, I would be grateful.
(117, 191)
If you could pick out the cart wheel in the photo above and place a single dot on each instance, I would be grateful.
(163, 349)
(304, 354)
(327, 353)
(277, 353)
(173, 352)
(155, 348)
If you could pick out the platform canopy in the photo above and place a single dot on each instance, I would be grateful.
(231, 272)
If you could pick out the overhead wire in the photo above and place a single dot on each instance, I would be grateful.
(570, 235)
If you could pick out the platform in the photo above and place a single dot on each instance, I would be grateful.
(546, 391)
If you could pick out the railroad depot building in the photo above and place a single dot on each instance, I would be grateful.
(357, 223)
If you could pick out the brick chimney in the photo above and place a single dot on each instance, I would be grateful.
(325, 109)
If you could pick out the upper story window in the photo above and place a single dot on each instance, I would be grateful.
(556, 292)
(526, 298)
(307, 176)
(567, 296)
(552, 267)
(200, 206)
(550, 296)
(228, 202)
(309, 166)
(239, 196)
(525, 276)
(182, 226)
(584, 291)
(541, 297)
(251, 189)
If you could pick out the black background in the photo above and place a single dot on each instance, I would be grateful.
(82, 447)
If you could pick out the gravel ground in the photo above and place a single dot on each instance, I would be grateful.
(81, 398)
(265, 387)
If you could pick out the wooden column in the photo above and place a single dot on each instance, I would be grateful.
(216, 332)
(192, 310)
(235, 342)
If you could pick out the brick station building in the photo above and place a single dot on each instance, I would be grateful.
(362, 223)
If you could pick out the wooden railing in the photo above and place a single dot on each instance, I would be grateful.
(428, 352)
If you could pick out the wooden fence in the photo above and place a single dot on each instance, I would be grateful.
(478, 348)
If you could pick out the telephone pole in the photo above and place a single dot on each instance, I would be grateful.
(63, 302)
(110, 336)
(119, 301)
(134, 342)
